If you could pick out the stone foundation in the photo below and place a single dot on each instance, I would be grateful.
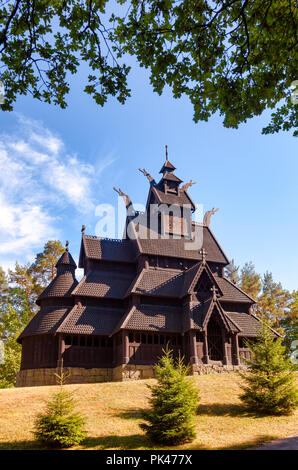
(203, 369)
(130, 372)
(78, 375)
(124, 372)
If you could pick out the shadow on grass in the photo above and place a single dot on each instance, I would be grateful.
(21, 445)
(246, 445)
(223, 409)
(131, 414)
(134, 441)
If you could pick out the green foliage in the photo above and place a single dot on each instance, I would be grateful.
(174, 403)
(59, 425)
(290, 323)
(274, 302)
(232, 272)
(237, 57)
(270, 381)
(250, 280)
(43, 269)
(11, 325)
(18, 293)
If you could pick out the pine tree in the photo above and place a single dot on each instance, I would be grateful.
(60, 426)
(250, 280)
(232, 272)
(43, 268)
(11, 325)
(174, 403)
(274, 303)
(270, 380)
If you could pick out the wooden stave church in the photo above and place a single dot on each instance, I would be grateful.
(138, 294)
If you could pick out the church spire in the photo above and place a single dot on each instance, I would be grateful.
(167, 167)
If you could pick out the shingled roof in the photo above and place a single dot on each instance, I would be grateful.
(248, 324)
(158, 282)
(232, 293)
(154, 318)
(47, 320)
(108, 249)
(198, 313)
(182, 198)
(104, 284)
(162, 282)
(171, 177)
(90, 320)
(183, 248)
(66, 259)
(61, 286)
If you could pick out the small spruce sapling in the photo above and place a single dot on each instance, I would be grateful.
(174, 402)
(269, 383)
(60, 426)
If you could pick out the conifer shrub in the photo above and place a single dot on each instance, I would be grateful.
(269, 383)
(60, 426)
(174, 401)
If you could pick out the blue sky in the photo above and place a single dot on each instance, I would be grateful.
(58, 165)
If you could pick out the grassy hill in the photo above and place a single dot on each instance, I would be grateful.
(112, 412)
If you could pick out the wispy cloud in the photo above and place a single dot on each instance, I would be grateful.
(38, 179)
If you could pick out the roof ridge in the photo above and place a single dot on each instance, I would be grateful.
(78, 285)
(69, 313)
(239, 288)
(231, 319)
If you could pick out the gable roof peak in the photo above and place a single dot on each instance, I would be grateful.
(66, 259)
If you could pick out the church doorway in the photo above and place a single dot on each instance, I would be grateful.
(214, 337)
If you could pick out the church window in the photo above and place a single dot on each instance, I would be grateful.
(89, 341)
(82, 340)
(130, 336)
(137, 337)
(149, 339)
(68, 340)
(161, 339)
(143, 339)
(155, 339)
(96, 342)
(75, 341)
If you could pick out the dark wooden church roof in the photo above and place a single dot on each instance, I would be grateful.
(90, 320)
(46, 321)
(104, 284)
(154, 318)
(122, 288)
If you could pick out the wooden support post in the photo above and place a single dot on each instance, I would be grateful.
(193, 348)
(206, 355)
(224, 345)
(125, 346)
(235, 350)
(61, 349)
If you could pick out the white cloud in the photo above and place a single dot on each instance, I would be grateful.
(38, 179)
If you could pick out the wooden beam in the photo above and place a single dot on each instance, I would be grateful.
(193, 348)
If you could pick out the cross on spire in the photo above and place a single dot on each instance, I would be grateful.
(167, 156)
(214, 292)
(66, 245)
(204, 254)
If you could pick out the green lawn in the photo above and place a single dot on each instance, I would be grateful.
(112, 412)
